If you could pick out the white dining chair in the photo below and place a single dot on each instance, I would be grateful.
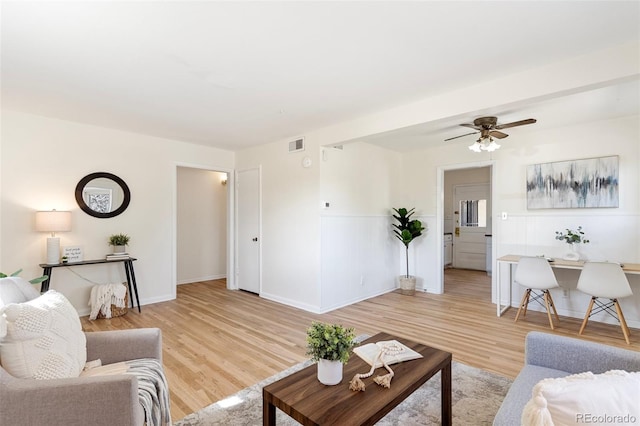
(535, 274)
(605, 280)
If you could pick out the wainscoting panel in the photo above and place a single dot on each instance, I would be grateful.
(613, 237)
(359, 259)
(423, 257)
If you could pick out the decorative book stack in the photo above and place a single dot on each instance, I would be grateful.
(117, 256)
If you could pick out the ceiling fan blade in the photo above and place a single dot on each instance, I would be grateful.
(461, 136)
(515, 123)
(473, 126)
(497, 134)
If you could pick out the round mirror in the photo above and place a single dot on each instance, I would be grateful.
(102, 195)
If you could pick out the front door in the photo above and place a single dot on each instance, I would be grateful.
(472, 210)
(248, 231)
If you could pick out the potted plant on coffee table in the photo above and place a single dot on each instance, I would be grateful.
(329, 345)
(406, 231)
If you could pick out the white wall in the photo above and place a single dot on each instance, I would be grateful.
(359, 256)
(42, 161)
(290, 244)
(614, 233)
(298, 233)
(320, 258)
(201, 239)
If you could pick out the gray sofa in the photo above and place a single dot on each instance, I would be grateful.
(102, 401)
(550, 356)
(79, 401)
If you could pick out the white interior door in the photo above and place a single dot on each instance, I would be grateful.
(472, 211)
(248, 229)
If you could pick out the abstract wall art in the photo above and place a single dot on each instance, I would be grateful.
(588, 183)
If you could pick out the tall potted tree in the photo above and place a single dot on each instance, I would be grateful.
(407, 230)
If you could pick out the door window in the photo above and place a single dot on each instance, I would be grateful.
(473, 213)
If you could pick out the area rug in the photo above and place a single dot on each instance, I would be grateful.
(477, 395)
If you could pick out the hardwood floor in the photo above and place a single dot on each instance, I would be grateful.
(216, 342)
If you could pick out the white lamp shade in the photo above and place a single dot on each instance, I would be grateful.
(53, 221)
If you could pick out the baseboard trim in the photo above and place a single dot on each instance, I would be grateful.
(200, 279)
(317, 309)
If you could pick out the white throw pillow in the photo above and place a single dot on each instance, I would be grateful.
(16, 290)
(585, 398)
(44, 339)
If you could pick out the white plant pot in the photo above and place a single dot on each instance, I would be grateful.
(119, 249)
(407, 284)
(329, 372)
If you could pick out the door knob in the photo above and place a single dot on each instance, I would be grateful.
(255, 239)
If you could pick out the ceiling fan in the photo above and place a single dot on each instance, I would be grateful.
(489, 128)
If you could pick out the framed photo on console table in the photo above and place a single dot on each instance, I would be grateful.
(73, 253)
(574, 184)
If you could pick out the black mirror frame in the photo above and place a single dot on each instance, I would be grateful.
(85, 208)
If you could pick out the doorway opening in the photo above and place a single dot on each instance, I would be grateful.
(202, 233)
(465, 218)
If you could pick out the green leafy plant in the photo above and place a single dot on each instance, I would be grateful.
(32, 281)
(119, 240)
(572, 237)
(407, 229)
(332, 342)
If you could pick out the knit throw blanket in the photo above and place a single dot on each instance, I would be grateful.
(153, 391)
(105, 295)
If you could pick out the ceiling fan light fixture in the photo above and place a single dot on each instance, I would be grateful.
(492, 146)
(488, 144)
(488, 127)
(475, 147)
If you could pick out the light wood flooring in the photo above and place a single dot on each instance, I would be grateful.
(216, 341)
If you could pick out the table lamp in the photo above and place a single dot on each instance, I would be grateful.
(53, 221)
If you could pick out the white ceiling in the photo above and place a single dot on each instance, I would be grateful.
(239, 74)
(619, 100)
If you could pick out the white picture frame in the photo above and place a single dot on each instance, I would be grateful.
(73, 253)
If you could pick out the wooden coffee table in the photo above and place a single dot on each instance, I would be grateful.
(308, 401)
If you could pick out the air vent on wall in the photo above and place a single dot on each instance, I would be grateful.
(297, 145)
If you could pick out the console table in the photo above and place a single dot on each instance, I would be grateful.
(512, 259)
(47, 269)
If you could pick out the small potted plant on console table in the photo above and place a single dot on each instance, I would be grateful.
(119, 242)
(329, 345)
